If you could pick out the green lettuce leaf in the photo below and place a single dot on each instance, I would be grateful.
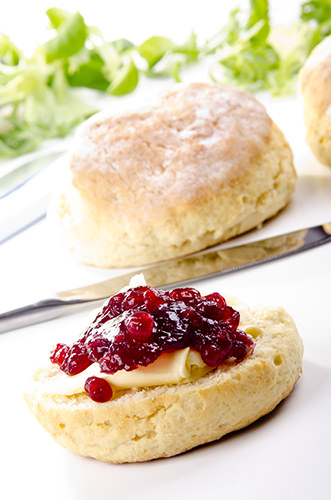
(39, 98)
(125, 80)
(69, 39)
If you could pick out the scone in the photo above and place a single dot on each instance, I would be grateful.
(197, 375)
(315, 84)
(202, 164)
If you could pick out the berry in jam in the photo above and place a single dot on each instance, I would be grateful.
(59, 353)
(76, 359)
(135, 327)
(98, 389)
(140, 325)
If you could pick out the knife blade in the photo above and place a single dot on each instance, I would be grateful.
(25, 200)
(182, 271)
(21, 174)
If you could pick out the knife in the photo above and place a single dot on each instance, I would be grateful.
(171, 273)
(25, 193)
(21, 174)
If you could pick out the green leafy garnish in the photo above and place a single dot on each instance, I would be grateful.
(57, 16)
(9, 53)
(259, 13)
(40, 99)
(125, 80)
(317, 10)
(154, 48)
(89, 73)
(256, 56)
(165, 58)
(319, 13)
(69, 39)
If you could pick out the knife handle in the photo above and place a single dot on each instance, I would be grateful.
(43, 310)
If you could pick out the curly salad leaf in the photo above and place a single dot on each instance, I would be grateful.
(37, 96)
(257, 56)
(38, 99)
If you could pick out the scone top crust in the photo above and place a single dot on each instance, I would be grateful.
(315, 77)
(197, 139)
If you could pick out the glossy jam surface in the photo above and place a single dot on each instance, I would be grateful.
(135, 327)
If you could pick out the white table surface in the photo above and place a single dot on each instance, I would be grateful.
(284, 455)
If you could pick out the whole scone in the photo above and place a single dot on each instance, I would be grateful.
(202, 164)
(315, 83)
(151, 422)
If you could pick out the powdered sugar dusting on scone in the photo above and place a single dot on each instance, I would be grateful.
(198, 138)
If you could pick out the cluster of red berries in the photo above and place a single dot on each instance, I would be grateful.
(135, 327)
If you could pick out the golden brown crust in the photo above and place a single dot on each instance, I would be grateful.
(144, 424)
(315, 84)
(205, 165)
(197, 139)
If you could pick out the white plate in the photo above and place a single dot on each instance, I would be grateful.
(284, 455)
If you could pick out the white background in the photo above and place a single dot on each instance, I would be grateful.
(25, 22)
(285, 455)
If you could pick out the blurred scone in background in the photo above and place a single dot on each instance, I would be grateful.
(315, 83)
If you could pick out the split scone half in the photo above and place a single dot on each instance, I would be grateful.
(144, 423)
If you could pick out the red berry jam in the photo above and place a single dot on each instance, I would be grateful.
(140, 325)
(59, 353)
(98, 389)
(135, 327)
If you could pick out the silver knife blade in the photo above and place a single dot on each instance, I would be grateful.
(23, 173)
(172, 273)
(26, 202)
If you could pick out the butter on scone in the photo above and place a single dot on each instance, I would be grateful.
(158, 373)
(202, 164)
(315, 85)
